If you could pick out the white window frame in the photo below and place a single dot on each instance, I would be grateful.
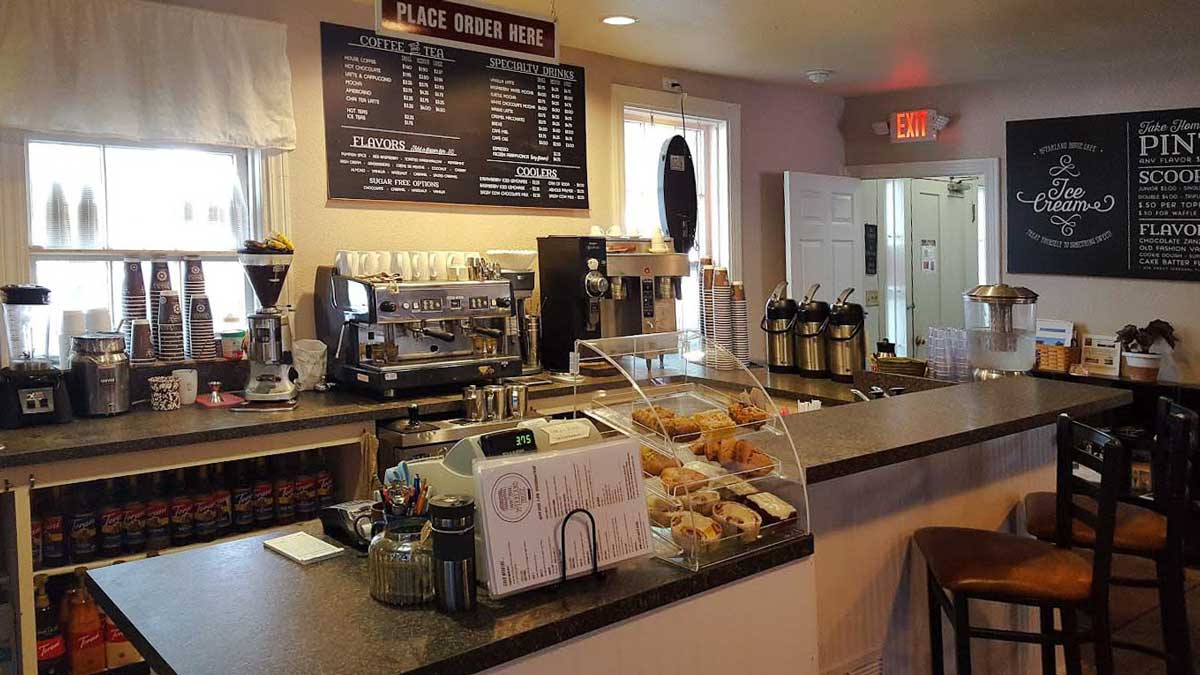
(264, 173)
(668, 103)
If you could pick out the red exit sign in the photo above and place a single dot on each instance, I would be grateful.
(913, 126)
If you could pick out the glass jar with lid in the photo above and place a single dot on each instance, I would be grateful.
(400, 563)
(1001, 323)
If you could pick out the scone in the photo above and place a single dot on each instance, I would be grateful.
(748, 415)
(678, 480)
(682, 429)
(715, 425)
(650, 417)
(695, 533)
(653, 461)
(737, 519)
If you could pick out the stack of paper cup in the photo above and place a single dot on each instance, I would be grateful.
(706, 309)
(133, 299)
(201, 343)
(741, 323)
(722, 319)
(160, 280)
(169, 346)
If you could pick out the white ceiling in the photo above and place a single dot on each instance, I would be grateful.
(883, 45)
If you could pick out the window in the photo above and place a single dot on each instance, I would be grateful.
(650, 119)
(90, 205)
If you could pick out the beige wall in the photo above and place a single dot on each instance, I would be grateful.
(782, 128)
(977, 130)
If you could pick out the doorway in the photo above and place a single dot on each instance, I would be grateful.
(939, 235)
(934, 236)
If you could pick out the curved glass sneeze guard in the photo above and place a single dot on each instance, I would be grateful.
(722, 474)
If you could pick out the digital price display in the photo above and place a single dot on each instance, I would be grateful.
(512, 442)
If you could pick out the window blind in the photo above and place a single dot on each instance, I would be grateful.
(144, 71)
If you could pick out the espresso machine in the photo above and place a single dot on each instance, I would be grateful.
(573, 277)
(643, 288)
(270, 387)
(33, 391)
(386, 335)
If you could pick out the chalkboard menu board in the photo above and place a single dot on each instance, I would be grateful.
(416, 122)
(1106, 195)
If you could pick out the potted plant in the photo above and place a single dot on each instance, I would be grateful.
(1140, 364)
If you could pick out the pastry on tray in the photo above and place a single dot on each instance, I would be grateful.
(771, 508)
(737, 519)
(650, 417)
(700, 501)
(706, 468)
(715, 424)
(661, 509)
(748, 415)
(682, 429)
(750, 461)
(733, 487)
(653, 461)
(694, 532)
(679, 480)
(667, 422)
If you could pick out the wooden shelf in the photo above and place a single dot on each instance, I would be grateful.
(70, 569)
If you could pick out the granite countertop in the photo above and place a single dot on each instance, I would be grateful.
(247, 610)
(143, 429)
(844, 440)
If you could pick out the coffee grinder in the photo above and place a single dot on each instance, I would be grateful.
(270, 387)
(33, 391)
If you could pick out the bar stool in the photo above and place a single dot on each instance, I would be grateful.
(984, 565)
(1150, 528)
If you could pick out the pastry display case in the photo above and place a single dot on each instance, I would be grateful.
(721, 472)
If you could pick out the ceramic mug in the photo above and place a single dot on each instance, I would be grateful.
(189, 385)
(402, 264)
(437, 266)
(385, 261)
(370, 263)
(347, 263)
(420, 266)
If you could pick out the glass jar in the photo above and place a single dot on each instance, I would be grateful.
(400, 564)
(1001, 323)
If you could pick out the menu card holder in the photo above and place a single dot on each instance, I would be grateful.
(562, 546)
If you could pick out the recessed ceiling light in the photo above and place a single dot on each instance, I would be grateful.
(620, 20)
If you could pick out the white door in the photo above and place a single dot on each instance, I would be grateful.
(824, 242)
(944, 254)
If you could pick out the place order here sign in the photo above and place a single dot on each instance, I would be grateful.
(1106, 195)
(417, 122)
(467, 24)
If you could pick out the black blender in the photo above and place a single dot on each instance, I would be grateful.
(33, 391)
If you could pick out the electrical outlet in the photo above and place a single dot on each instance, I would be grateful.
(872, 298)
(672, 84)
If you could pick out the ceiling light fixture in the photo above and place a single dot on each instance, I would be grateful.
(819, 75)
(619, 20)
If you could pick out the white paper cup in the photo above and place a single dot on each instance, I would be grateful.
(347, 263)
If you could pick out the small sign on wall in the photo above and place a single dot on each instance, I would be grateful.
(462, 23)
(914, 126)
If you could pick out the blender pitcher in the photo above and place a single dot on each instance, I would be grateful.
(32, 390)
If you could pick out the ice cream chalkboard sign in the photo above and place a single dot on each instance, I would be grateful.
(1106, 195)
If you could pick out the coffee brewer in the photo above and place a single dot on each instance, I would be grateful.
(573, 277)
(270, 386)
(386, 335)
(643, 287)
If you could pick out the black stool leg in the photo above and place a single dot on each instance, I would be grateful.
(1070, 624)
(1047, 623)
(962, 634)
(936, 653)
(1172, 603)
(1102, 634)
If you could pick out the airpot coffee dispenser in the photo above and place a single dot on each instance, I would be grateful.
(847, 338)
(779, 323)
(812, 328)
